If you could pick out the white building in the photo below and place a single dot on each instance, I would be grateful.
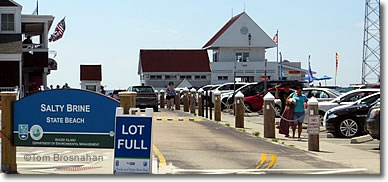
(243, 43)
(159, 67)
(22, 64)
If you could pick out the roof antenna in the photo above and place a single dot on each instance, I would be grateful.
(244, 6)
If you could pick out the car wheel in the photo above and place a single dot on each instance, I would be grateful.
(248, 107)
(277, 110)
(321, 117)
(348, 128)
(155, 108)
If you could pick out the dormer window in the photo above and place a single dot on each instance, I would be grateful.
(7, 22)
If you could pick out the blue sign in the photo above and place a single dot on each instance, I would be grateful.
(133, 144)
(65, 118)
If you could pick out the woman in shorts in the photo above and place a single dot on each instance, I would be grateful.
(299, 111)
(170, 95)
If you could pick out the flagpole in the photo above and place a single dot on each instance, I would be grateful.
(37, 7)
(277, 51)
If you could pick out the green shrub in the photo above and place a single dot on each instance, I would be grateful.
(256, 133)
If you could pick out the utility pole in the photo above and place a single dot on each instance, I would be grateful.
(371, 43)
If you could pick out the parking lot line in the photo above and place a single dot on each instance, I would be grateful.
(162, 160)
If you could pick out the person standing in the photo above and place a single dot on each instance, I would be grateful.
(282, 95)
(287, 109)
(299, 111)
(170, 95)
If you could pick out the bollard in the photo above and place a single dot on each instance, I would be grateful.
(269, 116)
(185, 99)
(217, 106)
(314, 125)
(192, 100)
(162, 93)
(200, 102)
(127, 100)
(8, 150)
(210, 104)
(240, 110)
(207, 103)
(177, 100)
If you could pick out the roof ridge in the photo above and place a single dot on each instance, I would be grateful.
(222, 30)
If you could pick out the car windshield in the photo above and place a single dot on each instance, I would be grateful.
(142, 89)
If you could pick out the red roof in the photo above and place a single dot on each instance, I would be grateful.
(174, 61)
(91, 72)
(223, 29)
(7, 3)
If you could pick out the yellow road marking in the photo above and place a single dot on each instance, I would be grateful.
(262, 161)
(179, 119)
(162, 160)
(272, 161)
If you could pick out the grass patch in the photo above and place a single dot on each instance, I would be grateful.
(256, 133)
(291, 145)
(227, 124)
(282, 143)
(241, 129)
(275, 140)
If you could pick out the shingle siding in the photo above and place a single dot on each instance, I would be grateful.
(10, 44)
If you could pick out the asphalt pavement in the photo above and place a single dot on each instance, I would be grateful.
(208, 147)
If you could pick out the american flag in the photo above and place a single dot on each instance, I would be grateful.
(59, 31)
(275, 38)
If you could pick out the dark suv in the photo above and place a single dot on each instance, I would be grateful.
(146, 97)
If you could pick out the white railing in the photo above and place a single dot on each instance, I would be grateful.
(34, 47)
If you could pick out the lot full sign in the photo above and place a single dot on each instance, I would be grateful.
(65, 118)
(133, 144)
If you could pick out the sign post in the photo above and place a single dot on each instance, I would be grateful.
(8, 149)
(313, 125)
(133, 142)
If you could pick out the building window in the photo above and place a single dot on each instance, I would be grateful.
(242, 56)
(156, 77)
(91, 87)
(203, 77)
(187, 77)
(170, 77)
(200, 77)
(215, 56)
(222, 77)
(7, 22)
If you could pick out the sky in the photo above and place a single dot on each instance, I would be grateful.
(112, 33)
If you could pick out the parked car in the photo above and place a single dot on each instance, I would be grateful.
(146, 97)
(344, 99)
(115, 94)
(227, 95)
(254, 89)
(344, 90)
(348, 121)
(321, 94)
(373, 121)
(255, 103)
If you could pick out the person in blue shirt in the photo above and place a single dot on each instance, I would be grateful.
(299, 111)
(170, 95)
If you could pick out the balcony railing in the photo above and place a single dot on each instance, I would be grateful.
(34, 47)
